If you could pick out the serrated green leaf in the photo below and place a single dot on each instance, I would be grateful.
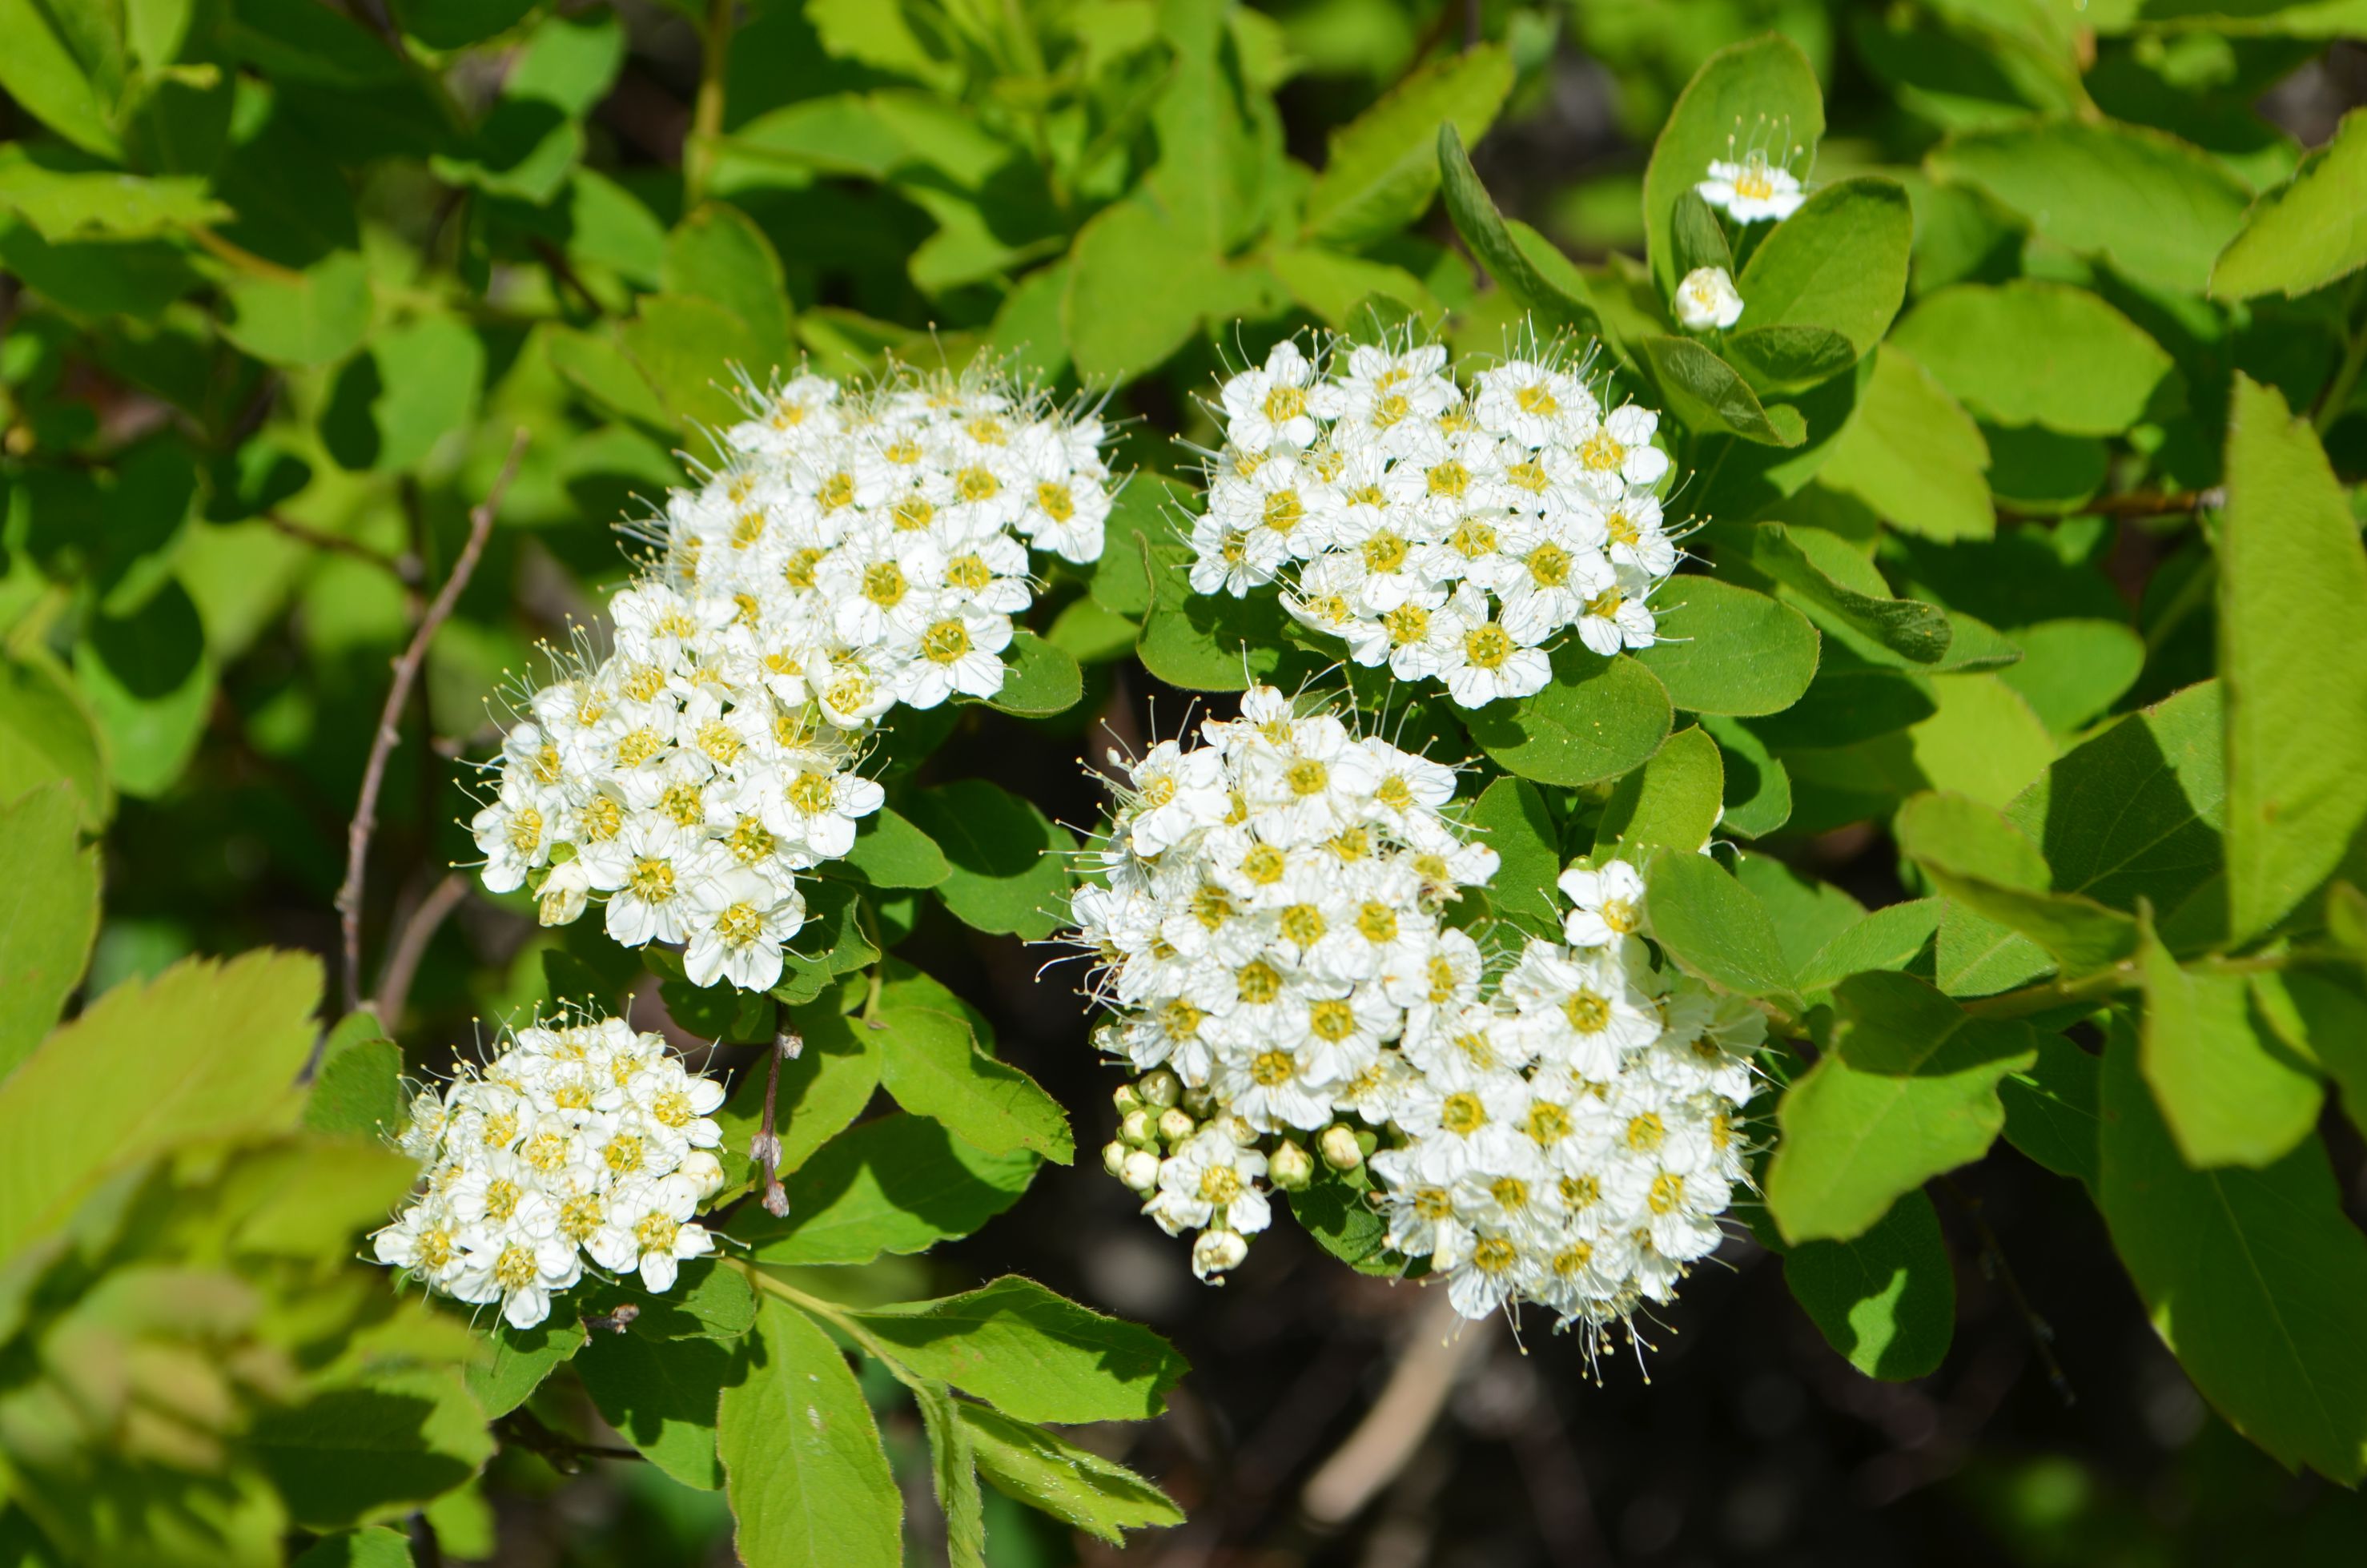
(1030, 1353)
(952, 1473)
(513, 1362)
(314, 317)
(2255, 1280)
(1381, 169)
(930, 1062)
(1886, 1300)
(48, 913)
(1908, 1091)
(2292, 596)
(1597, 719)
(2309, 232)
(897, 1184)
(358, 1087)
(1723, 649)
(63, 202)
(1714, 927)
(808, 1481)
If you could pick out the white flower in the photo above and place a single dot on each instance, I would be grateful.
(650, 1231)
(1706, 300)
(1752, 188)
(1210, 1180)
(1609, 904)
(1268, 406)
(737, 923)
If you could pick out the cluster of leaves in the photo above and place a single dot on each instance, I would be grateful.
(284, 277)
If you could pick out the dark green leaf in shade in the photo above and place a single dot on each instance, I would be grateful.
(1886, 1300)
(2051, 1112)
(373, 1449)
(1709, 396)
(1758, 790)
(48, 913)
(663, 1396)
(1009, 865)
(897, 1184)
(1514, 821)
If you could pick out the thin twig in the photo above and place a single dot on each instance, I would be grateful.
(1995, 1267)
(406, 671)
(527, 1431)
(405, 568)
(766, 1147)
(2128, 503)
(707, 109)
(410, 946)
(1442, 1343)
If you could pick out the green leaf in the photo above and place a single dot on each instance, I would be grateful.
(1714, 927)
(2027, 352)
(1048, 1471)
(686, 347)
(1213, 642)
(1031, 1354)
(1149, 511)
(514, 1362)
(897, 1183)
(374, 1448)
(2071, 670)
(1886, 1300)
(49, 914)
(1838, 263)
(718, 254)
(830, 944)
(1038, 679)
(1916, 631)
(822, 1089)
(2231, 1092)
(2255, 1280)
(377, 1547)
(1672, 801)
(1512, 816)
(314, 317)
(1554, 295)
(952, 1473)
(2051, 1112)
(43, 70)
(2292, 596)
(1980, 859)
(1382, 168)
(391, 405)
(1758, 790)
(721, 1013)
(1138, 285)
(2136, 812)
(1724, 649)
(598, 367)
(1763, 91)
(1708, 395)
(2309, 231)
(1699, 240)
(1913, 455)
(1596, 719)
(1092, 635)
(454, 23)
(1335, 1209)
(1909, 1090)
(150, 683)
(930, 1062)
(63, 202)
(1890, 938)
(889, 852)
(1788, 358)
(1010, 866)
(808, 1481)
(662, 1396)
(1345, 289)
(2155, 207)
(214, 1049)
(357, 1085)
(568, 62)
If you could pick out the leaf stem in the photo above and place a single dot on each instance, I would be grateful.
(707, 109)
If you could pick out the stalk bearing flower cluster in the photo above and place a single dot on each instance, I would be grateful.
(1452, 524)
(856, 549)
(1558, 1127)
(579, 1139)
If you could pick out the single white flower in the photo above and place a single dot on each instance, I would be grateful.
(1752, 188)
(1706, 300)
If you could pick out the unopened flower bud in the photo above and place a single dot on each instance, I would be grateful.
(1199, 1102)
(705, 1171)
(1174, 1126)
(1141, 1171)
(1162, 1089)
(1126, 1099)
(1113, 1153)
(1290, 1168)
(1138, 1129)
(1339, 1148)
(1706, 299)
(1218, 1251)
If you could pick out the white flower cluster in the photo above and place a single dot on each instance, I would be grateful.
(1270, 931)
(1573, 1138)
(1561, 1131)
(1449, 534)
(579, 1139)
(853, 551)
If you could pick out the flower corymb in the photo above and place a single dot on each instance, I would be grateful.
(1451, 528)
(579, 1139)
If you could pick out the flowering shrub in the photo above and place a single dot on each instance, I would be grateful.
(1823, 671)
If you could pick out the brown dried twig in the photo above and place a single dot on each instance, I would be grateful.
(410, 945)
(406, 672)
